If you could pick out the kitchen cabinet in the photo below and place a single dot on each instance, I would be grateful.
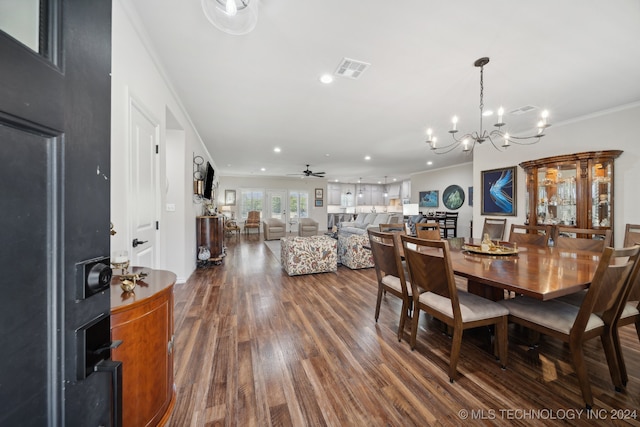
(334, 194)
(405, 191)
(572, 190)
(377, 195)
(394, 191)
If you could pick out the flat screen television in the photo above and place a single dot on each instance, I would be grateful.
(208, 182)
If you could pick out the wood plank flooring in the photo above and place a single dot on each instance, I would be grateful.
(255, 347)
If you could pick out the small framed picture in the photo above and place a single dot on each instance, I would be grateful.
(318, 203)
(319, 193)
(230, 197)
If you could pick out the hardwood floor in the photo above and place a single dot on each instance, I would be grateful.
(255, 347)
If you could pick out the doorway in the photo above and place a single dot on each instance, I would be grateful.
(276, 206)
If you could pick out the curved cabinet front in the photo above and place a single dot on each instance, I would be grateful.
(143, 320)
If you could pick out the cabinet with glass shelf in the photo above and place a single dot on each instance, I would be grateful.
(571, 190)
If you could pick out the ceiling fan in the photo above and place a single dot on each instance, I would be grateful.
(308, 172)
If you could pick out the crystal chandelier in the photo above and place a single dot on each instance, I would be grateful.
(469, 140)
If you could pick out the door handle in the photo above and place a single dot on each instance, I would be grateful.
(115, 369)
(137, 242)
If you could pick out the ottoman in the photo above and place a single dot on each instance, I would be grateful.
(352, 253)
(307, 255)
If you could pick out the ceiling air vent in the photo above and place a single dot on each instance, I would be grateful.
(523, 110)
(351, 68)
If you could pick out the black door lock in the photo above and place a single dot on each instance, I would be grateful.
(137, 242)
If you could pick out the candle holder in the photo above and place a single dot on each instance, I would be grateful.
(120, 260)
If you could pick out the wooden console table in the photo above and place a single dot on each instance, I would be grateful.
(210, 233)
(143, 320)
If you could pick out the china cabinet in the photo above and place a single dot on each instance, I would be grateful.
(572, 189)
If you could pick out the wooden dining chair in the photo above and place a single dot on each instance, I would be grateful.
(595, 317)
(390, 274)
(393, 227)
(494, 227)
(428, 230)
(537, 235)
(630, 310)
(581, 238)
(631, 235)
(430, 269)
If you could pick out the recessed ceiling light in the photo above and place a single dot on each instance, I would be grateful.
(487, 113)
(327, 155)
(367, 157)
(277, 150)
(337, 180)
(263, 169)
(326, 78)
(429, 163)
(395, 179)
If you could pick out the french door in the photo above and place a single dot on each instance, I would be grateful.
(276, 206)
(298, 208)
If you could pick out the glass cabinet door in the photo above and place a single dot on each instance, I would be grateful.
(556, 197)
(601, 174)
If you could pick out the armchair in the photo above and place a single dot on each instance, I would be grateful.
(252, 221)
(273, 228)
(307, 227)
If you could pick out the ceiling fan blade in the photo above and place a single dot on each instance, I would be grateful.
(318, 174)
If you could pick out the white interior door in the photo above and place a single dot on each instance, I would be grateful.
(144, 139)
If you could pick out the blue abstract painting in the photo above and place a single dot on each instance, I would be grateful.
(499, 191)
(429, 199)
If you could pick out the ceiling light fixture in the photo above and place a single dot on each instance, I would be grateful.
(235, 17)
(469, 140)
(386, 193)
(326, 78)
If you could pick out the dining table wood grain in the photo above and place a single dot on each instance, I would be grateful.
(538, 272)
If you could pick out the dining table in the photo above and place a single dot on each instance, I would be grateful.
(542, 273)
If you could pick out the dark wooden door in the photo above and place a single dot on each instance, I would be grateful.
(54, 199)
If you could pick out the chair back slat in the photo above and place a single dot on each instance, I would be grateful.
(537, 235)
(393, 227)
(609, 286)
(585, 239)
(428, 230)
(494, 227)
(631, 235)
(430, 269)
(385, 256)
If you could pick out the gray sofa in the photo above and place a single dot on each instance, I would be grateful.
(368, 220)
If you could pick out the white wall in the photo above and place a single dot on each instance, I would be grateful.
(440, 179)
(614, 130)
(135, 75)
(275, 183)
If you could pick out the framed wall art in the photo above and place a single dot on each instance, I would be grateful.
(453, 197)
(318, 203)
(230, 197)
(470, 196)
(499, 192)
(429, 199)
(319, 193)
